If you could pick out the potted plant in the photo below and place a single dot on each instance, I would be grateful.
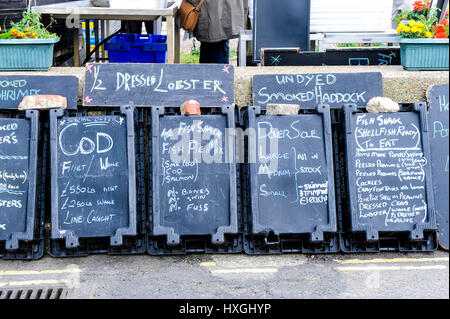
(27, 45)
(423, 40)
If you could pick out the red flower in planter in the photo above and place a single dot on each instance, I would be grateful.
(440, 32)
(444, 22)
(441, 35)
(418, 6)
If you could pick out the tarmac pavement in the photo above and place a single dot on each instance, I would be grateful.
(339, 276)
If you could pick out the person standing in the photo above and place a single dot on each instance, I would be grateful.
(219, 21)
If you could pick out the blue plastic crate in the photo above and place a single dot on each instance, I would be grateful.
(137, 48)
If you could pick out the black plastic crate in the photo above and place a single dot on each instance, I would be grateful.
(396, 232)
(192, 231)
(29, 244)
(288, 233)
(129, 237)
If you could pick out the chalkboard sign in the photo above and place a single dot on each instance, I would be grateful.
(280, 25)
(158, 84)
(438, 122)
(13, 88)
(93, 177)
(292, 181)
(347, 56)
(389, 172)
(310, 90)
(194, 176)
(18, 170)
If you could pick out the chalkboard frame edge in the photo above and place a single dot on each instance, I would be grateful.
(131, 230)
(430, 92)
(71, 240)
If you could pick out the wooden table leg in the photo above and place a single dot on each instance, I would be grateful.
(96, 34)
(103, 36)
(170, 39)
(76, 48)
(177, 45)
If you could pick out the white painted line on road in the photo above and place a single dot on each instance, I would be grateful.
(391, 260)
(208, 264)
(245, 271)
(31, 283)
(41, 272)
(373, 268)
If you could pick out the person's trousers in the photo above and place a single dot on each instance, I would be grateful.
(215, 52)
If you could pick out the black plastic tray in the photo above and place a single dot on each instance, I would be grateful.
(30, 244)
(373, 238)
(131, 244)
(267, 239)
(165, 240)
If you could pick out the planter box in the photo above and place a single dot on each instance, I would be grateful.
(424, 54)
(27, 54)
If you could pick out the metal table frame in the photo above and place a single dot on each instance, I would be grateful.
(389, 36)
(86, 10)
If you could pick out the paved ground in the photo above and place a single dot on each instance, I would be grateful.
(237, 276)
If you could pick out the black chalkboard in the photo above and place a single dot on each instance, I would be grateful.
(158, 84)
(13, 88)
(18, 171)
(389, 173)
(439, 124)
(93, 177)
(292, 181)
(347, 56)
(310, 90)
(194, 176)
(280, 25)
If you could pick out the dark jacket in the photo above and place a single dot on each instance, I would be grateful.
(219, 20)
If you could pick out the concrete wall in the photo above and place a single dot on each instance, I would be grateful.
(400, 85)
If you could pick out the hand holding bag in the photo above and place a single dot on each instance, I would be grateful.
(189, 15)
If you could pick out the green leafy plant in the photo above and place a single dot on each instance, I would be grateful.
(30, 27)
(422, 22)
(192, 57)
(358, 45)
